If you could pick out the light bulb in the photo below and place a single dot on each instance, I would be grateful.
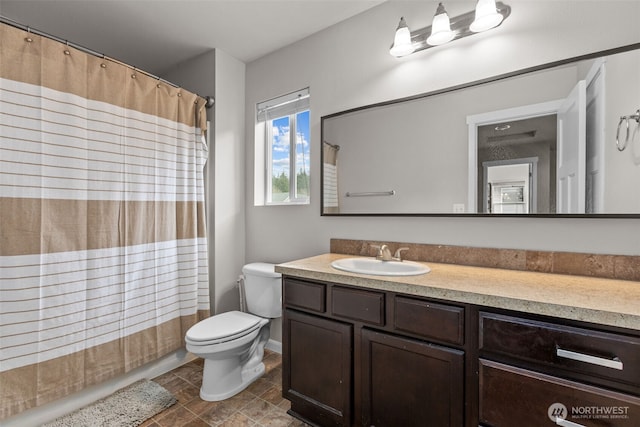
(487, 16)
(402, 41)
(440, 28)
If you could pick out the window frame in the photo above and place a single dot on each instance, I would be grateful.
(278, 104)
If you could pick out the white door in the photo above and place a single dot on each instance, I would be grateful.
(595, 138)
(571, 155)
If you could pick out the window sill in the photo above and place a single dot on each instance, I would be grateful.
(300, 203)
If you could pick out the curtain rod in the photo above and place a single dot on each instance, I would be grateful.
(336, 146)
(3, 19)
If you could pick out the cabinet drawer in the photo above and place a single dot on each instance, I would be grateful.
(511, 396)
(608, 356)
(359, 305)
(430, 320)
(307, 295)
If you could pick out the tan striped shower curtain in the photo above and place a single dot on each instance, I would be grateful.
(330, 187)
(103, 251)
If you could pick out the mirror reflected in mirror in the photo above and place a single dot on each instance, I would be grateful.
(538, 142)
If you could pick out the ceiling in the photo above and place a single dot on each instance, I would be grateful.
(534, 130)
(154, 35)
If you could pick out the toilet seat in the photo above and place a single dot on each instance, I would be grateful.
(222, 328)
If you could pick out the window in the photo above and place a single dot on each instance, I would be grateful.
(286, 148)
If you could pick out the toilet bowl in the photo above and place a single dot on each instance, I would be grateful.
(232, 343)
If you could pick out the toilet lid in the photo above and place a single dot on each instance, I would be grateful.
(263, 269)
(222, 325)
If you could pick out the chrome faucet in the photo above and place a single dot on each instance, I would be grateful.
(384, 253)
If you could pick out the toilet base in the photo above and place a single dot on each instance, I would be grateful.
(248, 376)
(232, 371)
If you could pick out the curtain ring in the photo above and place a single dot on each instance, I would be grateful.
(618, 145)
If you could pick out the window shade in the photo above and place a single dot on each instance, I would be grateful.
(284, 105)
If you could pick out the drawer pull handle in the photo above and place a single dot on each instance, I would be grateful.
(614, 363)
(565, 423)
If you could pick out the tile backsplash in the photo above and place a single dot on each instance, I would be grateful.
(623, 267)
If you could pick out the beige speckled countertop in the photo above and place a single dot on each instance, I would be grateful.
(596, 300)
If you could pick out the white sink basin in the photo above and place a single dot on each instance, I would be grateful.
(380, 268)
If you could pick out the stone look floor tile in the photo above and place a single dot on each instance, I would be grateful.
(187, 394)
(237, 420)
(275, 375)
(285, 405)
(259, 405)
(164, 378)
(176, 417)
(259, 386)
(276, 418)
(199, 406)
(175, 384)
(196, 422)
(256, 409)
(273, 395)
(149, 423)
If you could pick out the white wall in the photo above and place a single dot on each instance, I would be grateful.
(348, 65)
(229, 180)
(623, 99)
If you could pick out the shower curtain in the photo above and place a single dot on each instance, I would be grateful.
(330, 178)
(103, 251)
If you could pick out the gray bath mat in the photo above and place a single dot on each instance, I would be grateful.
(130, 406)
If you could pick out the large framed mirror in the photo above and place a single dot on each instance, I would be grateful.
(560, 139)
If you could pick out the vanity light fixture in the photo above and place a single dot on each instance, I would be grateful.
(487, 14)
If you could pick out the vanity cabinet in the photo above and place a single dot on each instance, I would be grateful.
(354, 356)
(401, 351)
(532, 372)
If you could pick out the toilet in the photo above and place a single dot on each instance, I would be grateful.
(232, 343)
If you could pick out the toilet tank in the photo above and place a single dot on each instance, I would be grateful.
(263, 289)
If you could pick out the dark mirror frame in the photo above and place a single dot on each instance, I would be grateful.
(607, 52)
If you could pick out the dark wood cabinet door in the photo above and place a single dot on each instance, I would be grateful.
(407, 383)
(317, 368)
